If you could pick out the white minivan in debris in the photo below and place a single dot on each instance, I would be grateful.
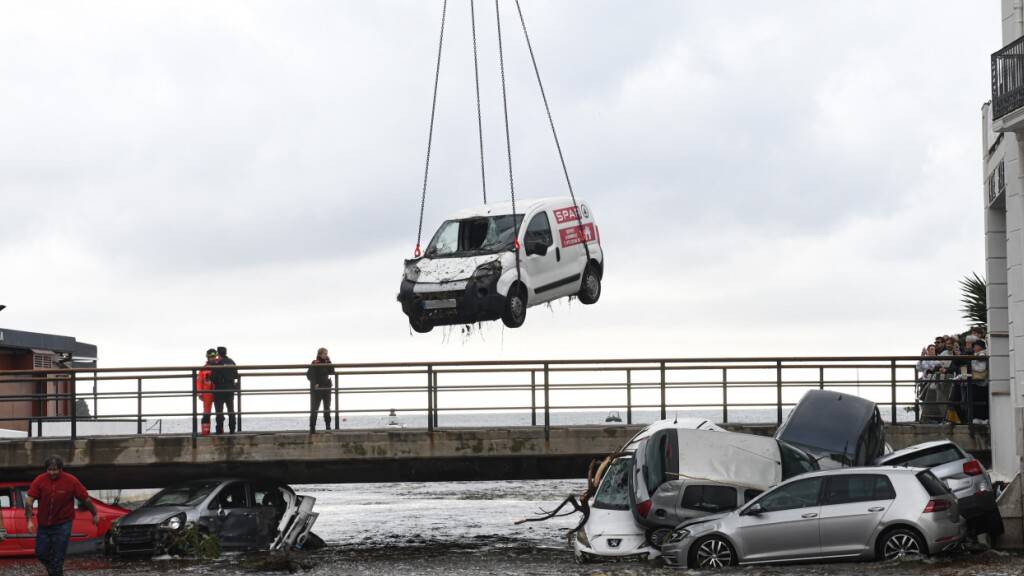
(469, 271)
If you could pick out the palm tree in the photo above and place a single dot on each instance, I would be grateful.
(975, 303)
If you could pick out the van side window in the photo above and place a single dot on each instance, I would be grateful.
(749, 494)
(709, 498)
(539, 230)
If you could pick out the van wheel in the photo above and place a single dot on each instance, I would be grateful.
(590, 288)
(900, 543)
(515, 307)
(712, 552)
(420, 325)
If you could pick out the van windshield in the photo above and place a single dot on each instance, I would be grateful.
(474, 236)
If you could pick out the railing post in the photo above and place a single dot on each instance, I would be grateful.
(74, 408)
(138, 396)
(821, 377)
(430, 398)
(547, 403)
(195, 422)
(337, 403)
(533, 397)
(629, 396)
(663, 413)
(238, 403)
(893, 368)
(436, 398)
(778, 389)
(725, 396)
(95, 397)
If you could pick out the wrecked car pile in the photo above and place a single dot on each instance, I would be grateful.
(823, 487)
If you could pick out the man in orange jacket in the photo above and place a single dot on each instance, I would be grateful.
(204, 386)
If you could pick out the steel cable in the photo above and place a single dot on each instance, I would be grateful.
(479, 116)
(430, 133)
(508, 138)
(554, 133)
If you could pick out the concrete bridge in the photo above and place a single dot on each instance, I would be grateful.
(408, 455)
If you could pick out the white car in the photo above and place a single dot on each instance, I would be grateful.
(611, 531)
(485, 264)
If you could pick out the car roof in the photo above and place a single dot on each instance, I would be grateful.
(677, 423)
(523, 206)
(916, 448)
(861, 470)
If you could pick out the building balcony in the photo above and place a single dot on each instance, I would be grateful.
(1008, 87)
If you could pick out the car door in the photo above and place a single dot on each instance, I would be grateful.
(14, 523)
(236, 524)
(270, 508)
(851, 509)
(541, 259)
(572, 233)
(787, 526)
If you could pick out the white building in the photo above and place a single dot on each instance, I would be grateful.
(1003, 134)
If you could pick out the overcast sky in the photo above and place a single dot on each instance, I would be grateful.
(786, 177)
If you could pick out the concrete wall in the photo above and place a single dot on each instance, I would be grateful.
(361, 456)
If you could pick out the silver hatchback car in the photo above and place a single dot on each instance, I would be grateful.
(851, 513)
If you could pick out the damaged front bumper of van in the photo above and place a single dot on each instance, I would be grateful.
(475, 299)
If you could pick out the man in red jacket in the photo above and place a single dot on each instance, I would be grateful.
(56, 491)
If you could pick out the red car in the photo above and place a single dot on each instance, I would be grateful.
(85, 537)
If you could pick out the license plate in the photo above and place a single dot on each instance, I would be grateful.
(438, 304)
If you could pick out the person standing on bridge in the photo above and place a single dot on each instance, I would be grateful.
(56, 491)
(224, 394)
(319, 376)
(204, 387)
(235, 381)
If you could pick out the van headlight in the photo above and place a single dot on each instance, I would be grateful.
(492, 268)
(174, 522)
(581, 537)
(678, 535)
(412, 272)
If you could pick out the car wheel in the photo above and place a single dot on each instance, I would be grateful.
(712, 552)
(590, 288)
(420, 325)
(515, 307)
(900, 543)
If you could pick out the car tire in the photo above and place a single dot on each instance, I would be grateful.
(590, 287)
(515, 307)
(899, 543)
(712, 553)
(420, 325)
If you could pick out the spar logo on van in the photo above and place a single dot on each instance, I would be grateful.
(563, 215)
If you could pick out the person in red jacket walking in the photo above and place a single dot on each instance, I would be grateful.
(204, 386)
(56, 491)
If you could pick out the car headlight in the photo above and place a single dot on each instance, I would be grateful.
(174, 522)
(678, 535)
(492, 268)
(581, 537)
(412, 272)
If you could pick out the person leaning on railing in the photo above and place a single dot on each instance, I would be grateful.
(978, 389)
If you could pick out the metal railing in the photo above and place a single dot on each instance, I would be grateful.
(1008, 79)
(753, 390)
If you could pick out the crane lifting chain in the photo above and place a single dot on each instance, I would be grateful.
(480, 129)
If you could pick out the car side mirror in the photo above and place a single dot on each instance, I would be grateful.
(221, 512)
(536, 247)
(755, 510)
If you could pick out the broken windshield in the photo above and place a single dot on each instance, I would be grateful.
(184, 495)
(473, 236)
(613, 493)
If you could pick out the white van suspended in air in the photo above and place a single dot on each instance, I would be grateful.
(485, 264)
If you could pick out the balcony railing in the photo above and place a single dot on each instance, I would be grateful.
(1008, 79)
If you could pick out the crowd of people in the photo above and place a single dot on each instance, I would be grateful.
(950, 387)
(216, 389)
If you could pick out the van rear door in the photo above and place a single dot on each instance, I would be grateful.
(656, 461)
